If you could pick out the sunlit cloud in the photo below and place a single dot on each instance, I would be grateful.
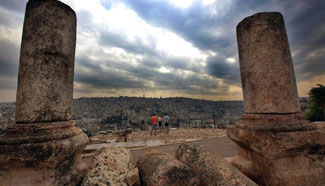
(231, 60)
(181, 3)
(208, 2)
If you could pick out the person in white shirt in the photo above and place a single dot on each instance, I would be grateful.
(166, 123)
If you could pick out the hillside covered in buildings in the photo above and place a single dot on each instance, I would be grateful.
(114, 113)
(94, 114)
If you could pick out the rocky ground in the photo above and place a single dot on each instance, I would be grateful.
(138, 142)
(174, 135)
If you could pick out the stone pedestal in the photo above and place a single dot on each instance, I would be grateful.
(42, 154)
(276, 146)
(44, 146)
(279, 150)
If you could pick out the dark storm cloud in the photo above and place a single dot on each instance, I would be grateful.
(99, 78)
(8, 58)
(151, 61)
(11, 17)
(14, 5)
(312, 66)
(120, 41)
(7, 68)
(140, 77)
(307, 40)
(10, 20)
(8, 65)
(220, 68)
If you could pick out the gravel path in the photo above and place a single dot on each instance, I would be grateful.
(222, 145)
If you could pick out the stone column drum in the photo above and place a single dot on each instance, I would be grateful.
(276, 146)
(46, 68)
(266, 68)
(44, 146)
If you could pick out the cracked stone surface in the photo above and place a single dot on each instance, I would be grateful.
(112, 166)
(211, 168)
(159, 169)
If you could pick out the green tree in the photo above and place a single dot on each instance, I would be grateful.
(316, 107)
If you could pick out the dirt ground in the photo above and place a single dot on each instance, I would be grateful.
(173, 135)
(221, 145)
(211, 139)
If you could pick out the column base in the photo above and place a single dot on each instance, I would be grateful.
(280, 149)
(42, 154)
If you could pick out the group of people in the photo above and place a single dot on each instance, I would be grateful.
(160, 120)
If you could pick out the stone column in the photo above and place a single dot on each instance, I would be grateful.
(46, 68)
(44, 146)
(276, 146)
(268, 78)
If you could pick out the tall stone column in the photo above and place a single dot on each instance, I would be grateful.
(43, 147)
(46, 68)
(268, 78)
(276, 146)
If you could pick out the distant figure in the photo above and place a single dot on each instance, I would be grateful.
(160, 120)
(166, 123)
(154, 123)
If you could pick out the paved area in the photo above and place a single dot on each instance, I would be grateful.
(222, 145)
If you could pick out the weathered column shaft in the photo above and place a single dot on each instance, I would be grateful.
(267, 74)
(46, 68)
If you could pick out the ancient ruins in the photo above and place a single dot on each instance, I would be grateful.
(43, 147)
(276, 146)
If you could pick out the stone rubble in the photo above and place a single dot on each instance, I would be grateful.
(161, 169)
(112, 166)
(212, 169)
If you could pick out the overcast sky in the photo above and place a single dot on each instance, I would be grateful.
(167, 47)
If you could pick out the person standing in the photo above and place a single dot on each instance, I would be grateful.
(160, 121)
(154, 123)
(166, 119)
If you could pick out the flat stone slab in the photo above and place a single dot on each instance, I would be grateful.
(136, 144)
(110, 141)
(128, 145)
(154, 143)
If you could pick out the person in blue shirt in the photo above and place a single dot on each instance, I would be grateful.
(166, 118)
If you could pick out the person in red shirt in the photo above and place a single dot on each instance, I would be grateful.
(154, 123)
